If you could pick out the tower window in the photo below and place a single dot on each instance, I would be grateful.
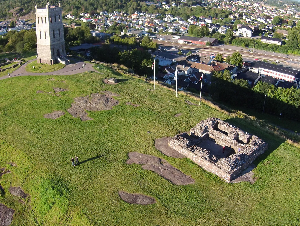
(38, 20)
(50, 19)
(53, 34)
(58, 32)
(45, 20)
(59, 17)
(45, 34)
(40, 34)
(55, 18)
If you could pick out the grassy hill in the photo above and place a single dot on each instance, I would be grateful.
(40, 150)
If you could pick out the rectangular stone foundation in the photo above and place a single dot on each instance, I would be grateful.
(247, 147)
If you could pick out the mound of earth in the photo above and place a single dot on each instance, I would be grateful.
(17, 191)
(96, 102)
(54, 115)
(136, 198)
(162, 144)
(6, 215)
(161, 167)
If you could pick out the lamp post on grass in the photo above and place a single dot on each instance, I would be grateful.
(264, 103)
(200, 88)
(176, 75)
(154, 72)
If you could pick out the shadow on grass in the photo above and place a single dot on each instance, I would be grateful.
(273, 140)
(90, 159)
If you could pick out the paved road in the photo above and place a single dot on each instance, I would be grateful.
(70, 69)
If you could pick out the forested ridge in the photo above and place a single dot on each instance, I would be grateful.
(9, 8)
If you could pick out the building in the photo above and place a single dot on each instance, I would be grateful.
(244, 31)
(275, 71)
(198, 41)
(50, 35)
(275, 41)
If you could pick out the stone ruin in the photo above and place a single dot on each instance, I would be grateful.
(219, 147)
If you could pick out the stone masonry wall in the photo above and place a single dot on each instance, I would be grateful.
(246, 146)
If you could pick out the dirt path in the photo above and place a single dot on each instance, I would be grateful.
(70, 69)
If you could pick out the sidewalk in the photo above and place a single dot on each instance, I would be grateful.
(70, 69)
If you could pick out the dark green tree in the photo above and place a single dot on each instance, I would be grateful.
(236, 59)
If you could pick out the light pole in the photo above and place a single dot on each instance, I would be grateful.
(154, 72)
(200, 89)
(176, 75)
(264, 103)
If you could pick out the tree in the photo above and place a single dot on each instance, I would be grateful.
(277, 20)
(228, 36)
(12, 23)
(219, 57)
(228, 59)
(236, 59)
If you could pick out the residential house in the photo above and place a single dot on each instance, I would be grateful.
(244, 31)
(184, 70)
(275, 41)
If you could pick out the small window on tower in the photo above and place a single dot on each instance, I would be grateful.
(38, 20)
(59, 17)
(58, 32)
(40, 34)
(53, 34)
(50, 19)
(45, 20)
(55, 18)
(45, 34)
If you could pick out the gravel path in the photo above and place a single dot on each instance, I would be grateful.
(70, 69)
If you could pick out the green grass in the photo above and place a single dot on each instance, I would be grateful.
(88, 194)
(41, 68)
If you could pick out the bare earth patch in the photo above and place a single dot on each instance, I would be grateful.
(54, 115)
(17, 191)
(111, 81)
(95, 102)
(161, 167)
(177, 115)
(6, 215)
(58, 90)
(136, 198)
(162, 144)
(135, 105)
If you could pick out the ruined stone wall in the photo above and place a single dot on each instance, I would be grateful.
(247, 147)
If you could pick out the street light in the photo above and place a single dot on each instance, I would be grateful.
(176, 75)
(201, 78)
(264, 103)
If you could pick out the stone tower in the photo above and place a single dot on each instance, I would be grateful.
(50, 35)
